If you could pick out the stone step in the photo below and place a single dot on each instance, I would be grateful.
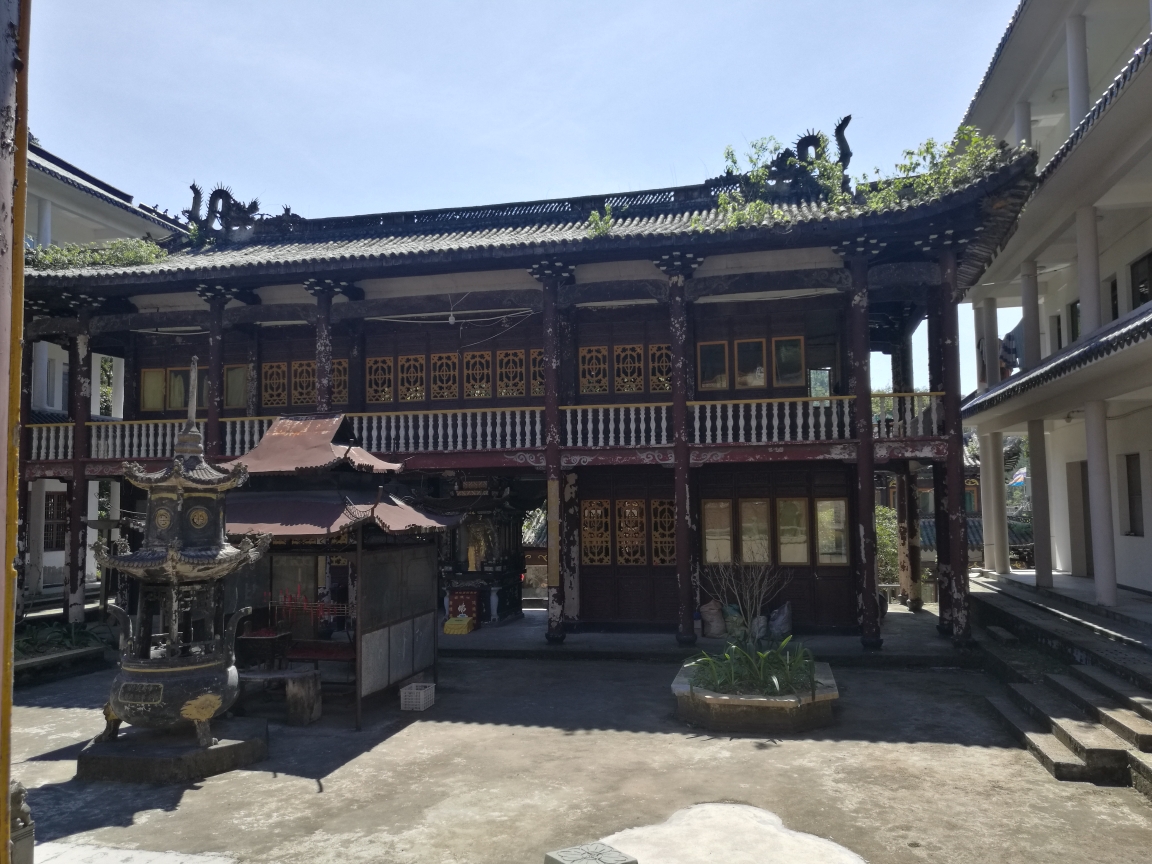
(1004, 637)
(1124, 722)
(1057, 759)
(1105, 754)
(1140, 772)
(1063, 637)
(1124, 692)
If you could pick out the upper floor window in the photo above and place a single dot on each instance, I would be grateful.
(788, 361)
(712, 361)
(1142, 281)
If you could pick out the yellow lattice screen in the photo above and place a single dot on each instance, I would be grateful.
(445, 376)
(274, 385)
(412, 378)
(339, 382)
(477, 374)
(630, 534)
(663, 531)
(594, 369)
(303, 382)
(629, 368)
(536, 359)
(379, 379)
(509, 373)
(659, 368)
(595, 534)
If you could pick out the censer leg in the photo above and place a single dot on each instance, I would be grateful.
(111, 725)
(204, 733)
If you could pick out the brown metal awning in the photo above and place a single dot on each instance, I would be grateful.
(323, 513)
(312, 443)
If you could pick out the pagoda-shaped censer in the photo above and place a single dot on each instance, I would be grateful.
(177, 666)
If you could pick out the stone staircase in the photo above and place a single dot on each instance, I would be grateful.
(1084, 708)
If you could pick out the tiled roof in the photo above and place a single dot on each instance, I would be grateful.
(1139, 60)
(1019, 533)
(1127, 330)
(643, 222)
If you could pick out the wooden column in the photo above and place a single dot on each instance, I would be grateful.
(323, 294)
(907, 503)
(357, 373)
(80, 399)
(860, 383)
(678, 332)
(551, 275)
(25, 449)
(252, 403)
(939, 473)
(214, 396)
(957, 521)
(131, 378)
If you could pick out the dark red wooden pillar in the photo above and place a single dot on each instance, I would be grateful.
(860, 383)
(131, 379)
(957, 520)
(214, 389)
(323, 294)
(80, 401)
(25, 449)
(678, 332)
(356, 368)
(939, 473)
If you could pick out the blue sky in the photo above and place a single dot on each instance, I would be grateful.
(356, 107)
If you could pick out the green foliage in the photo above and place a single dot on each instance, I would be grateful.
(116, 253)
(748, 207)
(932, 169)
(36, 640)
(600, 225)
(887, 546)
(774, 672)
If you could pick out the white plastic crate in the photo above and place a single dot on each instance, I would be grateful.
(417, 697)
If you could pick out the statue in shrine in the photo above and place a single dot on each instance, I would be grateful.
(177, 665)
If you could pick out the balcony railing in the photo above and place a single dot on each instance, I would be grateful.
(752, 421)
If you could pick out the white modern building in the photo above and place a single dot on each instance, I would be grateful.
(1071, 79)
(68, 205)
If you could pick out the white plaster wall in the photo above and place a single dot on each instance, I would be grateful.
(1065, 444)
(42, 352)
(45, 569)
(1131, 434)
(1116, 261)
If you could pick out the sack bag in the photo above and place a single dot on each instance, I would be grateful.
(713, 618)
(780, 622)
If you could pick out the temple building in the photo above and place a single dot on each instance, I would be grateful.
(678, 389)
(1071, 81)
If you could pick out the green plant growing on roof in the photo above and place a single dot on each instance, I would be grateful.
(125, 252)
(748, 205)
(600, 225)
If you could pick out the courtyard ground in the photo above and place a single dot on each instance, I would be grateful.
(521, 756)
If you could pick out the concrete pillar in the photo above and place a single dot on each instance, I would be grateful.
(998, 518)
(991, 342)
(987, 505)
(1041, 512)
(860, 385)
(1022, 130)
(1030, 300)
(1088, 270)
(1077, 50)
(1100, 501)
(44, 223)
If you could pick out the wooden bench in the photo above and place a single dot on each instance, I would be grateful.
(301, 691)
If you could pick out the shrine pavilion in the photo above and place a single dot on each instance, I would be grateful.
(675, 390)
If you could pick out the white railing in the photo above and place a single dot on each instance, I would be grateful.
(447, 431)
(616, 425)
(51, 441)
(134, 439)
(770, 421)
(241, 434)
(907, 415)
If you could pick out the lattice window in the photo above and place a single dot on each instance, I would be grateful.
(379, 383)
(630, 533)
(536, 359)
(303, 382)
(477, 374)
(274, 385)
(659, 368)
(595, 535)
(663, 531)
(55, 521)
(594, 369)
(445, 376)
(339, 382)
(509, 373)
(412, 378)
(629, 367)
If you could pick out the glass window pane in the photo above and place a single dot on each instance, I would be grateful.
(832, 530)
(792, 520)
(788, 358)
(713, 366)
(717, 532)
(750, 364)
(152, 390)
(236, 387)
(755, 532)
(819, 382)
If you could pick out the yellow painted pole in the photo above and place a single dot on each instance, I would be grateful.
(19, 219)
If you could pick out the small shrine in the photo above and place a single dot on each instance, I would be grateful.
(177, 665)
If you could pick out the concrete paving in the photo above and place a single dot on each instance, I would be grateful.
(519, 757)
